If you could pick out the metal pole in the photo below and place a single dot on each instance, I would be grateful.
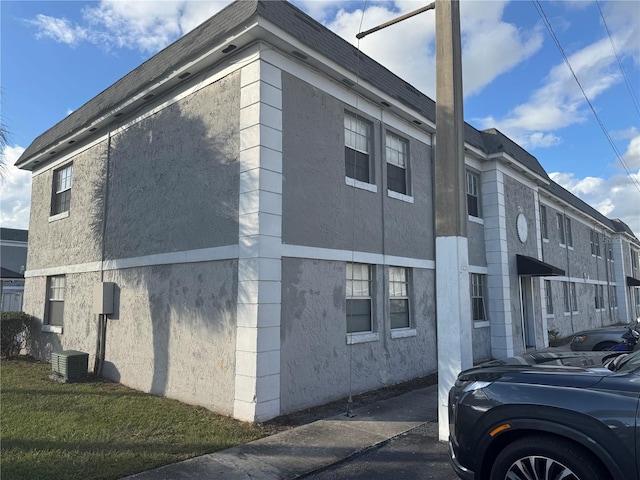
(431, 6)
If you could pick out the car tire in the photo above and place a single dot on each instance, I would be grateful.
(539, 457)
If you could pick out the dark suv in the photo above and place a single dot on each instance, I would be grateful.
(547, 416)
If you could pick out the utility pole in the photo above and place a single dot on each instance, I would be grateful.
(453, 301)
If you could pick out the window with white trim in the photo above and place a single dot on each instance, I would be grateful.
(565, 296)
(359, 319)
(399, 297)
(561, 232)
(55, 300)
(599, 296)
(543, 222)
(473, 194)
(613, 296)
(634, 261)
(574, 297)
(478, 309)
(61, 198)
(595, 243)
(548, 296)
(357, 148)
(570, 297)
(568, 231)
(397, 152)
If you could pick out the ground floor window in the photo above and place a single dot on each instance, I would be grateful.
(399, 297)
(548, 296)
(478, 309)
(55, 300)
(359, 298)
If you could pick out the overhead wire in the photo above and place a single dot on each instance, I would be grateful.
(622, 69)
(593, 110)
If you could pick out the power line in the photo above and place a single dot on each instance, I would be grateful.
(593, 110)
(615, 51)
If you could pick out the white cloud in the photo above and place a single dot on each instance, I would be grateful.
(146, 26)
(632, 156)
(615, 197)
(491, 46)
(15, 189)
(559, 102)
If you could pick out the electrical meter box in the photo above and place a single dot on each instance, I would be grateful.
(103, 298)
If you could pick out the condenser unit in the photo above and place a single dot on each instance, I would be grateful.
(70, 365)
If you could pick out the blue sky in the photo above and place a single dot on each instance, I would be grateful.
(58, 55)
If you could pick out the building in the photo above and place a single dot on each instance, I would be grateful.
(260, 196)
(13, 259)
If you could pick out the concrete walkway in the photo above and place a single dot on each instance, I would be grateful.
(302, 450)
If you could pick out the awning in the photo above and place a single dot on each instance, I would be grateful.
(536, 268)
(633, 282)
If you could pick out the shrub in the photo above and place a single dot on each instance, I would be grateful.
(14, 326)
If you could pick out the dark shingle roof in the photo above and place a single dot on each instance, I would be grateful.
(14, 234)
(495, 141)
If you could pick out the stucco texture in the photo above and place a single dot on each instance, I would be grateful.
(174, 177)
(69, 240)
(320, 210)
(317, 364)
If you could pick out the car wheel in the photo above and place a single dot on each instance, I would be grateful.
(545, 458)
(604, 346)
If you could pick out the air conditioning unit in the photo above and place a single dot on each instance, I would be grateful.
(69, 366)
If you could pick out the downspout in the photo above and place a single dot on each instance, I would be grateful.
(101, 336)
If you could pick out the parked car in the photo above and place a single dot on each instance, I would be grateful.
(547, 415)
(597, 339)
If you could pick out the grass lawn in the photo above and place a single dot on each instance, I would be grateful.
(99, 429)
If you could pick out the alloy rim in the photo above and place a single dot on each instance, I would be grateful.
(539, 468)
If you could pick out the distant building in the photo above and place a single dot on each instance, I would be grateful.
(260, 194)
(13, 260)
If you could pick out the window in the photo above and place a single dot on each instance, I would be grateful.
(634, 260)
(548, 296)
(595, 243)
(568, 232)
(478, 310)
(55, 303)
(599, 296)
(543, 222)
(357, 144)
(61, 190)
(613, 297)
(358, 298)
(399, 297)
(397, 150)
(560, 219)
(570, 297)
(473, 194)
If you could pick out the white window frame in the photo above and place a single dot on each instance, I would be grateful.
(397, 156)
(478, 294)
(399, 278)
(548, 297)
(56, 287)
(567, 231)
(544, 226)
(472, 181)
(561, 229)
(358, 289)
(358, 135)
(61, 191)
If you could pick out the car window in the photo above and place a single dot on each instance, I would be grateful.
(629, 363)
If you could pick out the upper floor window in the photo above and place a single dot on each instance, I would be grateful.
(561, 233)
(473, 194)
(357, 148)
(359, 298)
(568, 231)
(543, 222)
(634, 259)
(397, 151)
(55, 300)
(478, 310)
(61, 190)
(399, 297)
(595, 243)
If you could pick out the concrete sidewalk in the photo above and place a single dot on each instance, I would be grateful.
(302, 450)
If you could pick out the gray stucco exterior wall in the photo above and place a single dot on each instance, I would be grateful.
(320, 210)
(317, 364)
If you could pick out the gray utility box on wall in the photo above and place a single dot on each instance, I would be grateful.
(103, 298)
(70, 365)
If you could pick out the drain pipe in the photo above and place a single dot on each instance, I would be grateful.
(101, 334)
